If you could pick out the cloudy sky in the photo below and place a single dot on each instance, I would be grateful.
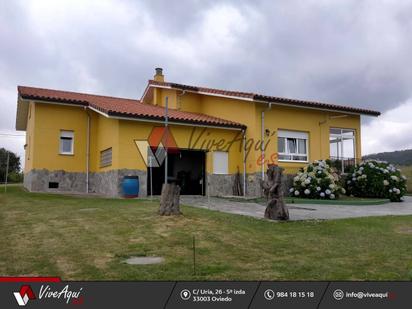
(346, 52)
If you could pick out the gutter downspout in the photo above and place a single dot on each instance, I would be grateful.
(262, 144)
(244, 162)
(87, 150)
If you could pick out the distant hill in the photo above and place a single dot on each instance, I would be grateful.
(399, 157)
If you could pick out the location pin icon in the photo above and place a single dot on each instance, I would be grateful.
(185, 294)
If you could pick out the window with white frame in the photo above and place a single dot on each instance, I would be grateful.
(292, 146)
(66, 142)
(220, 162)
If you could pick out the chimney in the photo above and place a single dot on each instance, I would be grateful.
(159, 77)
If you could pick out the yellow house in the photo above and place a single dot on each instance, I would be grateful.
(88, 143)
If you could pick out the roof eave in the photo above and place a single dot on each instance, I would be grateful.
(314, 105)
(175, 121)
(21, 114)
(265, 99)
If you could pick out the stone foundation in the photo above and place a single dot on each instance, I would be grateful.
(109, 183)
(220, 185)
(104, 183)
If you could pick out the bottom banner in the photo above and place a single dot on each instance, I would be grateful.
(54, 293)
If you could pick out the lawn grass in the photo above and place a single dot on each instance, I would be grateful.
(89, 238)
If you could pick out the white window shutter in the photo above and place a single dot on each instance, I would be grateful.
(220, 162)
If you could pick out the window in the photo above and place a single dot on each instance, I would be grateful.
(342, 143)
(66, 142)
(292, 146)
(342, 148)
(106, 157)
(220, 162)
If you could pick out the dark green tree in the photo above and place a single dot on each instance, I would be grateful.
(14, 165)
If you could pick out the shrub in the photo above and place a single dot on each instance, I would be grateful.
(15, 177)
(317, 181)
(373, 178)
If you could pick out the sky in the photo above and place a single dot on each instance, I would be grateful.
(348, 52)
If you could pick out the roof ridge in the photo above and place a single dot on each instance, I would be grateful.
(79, 93)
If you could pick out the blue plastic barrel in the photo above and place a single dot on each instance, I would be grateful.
(130, 186)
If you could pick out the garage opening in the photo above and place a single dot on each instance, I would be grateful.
(185, 168)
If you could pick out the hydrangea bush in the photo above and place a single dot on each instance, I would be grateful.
(317, 181)
(373, 178)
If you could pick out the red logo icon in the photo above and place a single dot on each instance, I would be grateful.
(24, 295)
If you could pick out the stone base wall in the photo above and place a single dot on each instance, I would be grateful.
(109, 183)
(220, 185)
(104, 183)
(38, 181)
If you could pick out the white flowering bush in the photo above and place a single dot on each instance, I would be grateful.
(316, 181)
(373, 178)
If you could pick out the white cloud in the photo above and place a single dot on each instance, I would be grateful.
(391, 131)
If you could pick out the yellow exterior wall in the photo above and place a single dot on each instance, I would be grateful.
(161, 95)
(46, 121)
(104, 134)
(314, 122)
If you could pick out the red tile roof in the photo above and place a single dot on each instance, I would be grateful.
(264, 98)
(122, 107)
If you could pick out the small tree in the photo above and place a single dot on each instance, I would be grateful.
(14, 164)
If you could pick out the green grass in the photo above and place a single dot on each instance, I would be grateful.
(89, 239)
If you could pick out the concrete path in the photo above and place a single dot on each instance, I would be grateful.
(302, 211)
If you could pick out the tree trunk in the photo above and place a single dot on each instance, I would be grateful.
(273, 191)
(170, 200)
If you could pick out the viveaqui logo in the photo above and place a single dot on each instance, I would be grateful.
(153, 150)
(46, 292)
(24, 295)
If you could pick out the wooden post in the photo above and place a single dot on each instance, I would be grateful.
(273, 190)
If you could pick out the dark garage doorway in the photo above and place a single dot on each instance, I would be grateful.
(186, 168)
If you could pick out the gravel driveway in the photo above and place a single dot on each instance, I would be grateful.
(302, 211)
